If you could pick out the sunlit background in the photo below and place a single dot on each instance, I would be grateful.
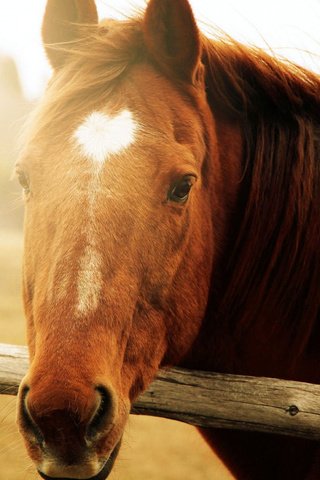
(153, 449)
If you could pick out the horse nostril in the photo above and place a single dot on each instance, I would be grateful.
(26, 419)
(104, 412)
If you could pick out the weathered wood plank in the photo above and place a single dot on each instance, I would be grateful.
(231, 401)
(209, 399)
(13, 366)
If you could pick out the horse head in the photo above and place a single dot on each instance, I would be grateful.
(119, 239)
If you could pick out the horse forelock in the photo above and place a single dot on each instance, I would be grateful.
(93, 72)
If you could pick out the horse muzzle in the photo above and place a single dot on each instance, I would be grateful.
(63, 443)
(102, 475)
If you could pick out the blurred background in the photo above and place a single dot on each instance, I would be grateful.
(154, 449)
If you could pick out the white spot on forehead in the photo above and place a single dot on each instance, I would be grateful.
(101, 135)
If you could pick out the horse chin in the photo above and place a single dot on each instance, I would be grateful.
(106, 470)
(102, 475)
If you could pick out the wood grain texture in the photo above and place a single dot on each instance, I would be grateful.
(209, 399)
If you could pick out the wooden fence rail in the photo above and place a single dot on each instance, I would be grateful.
(209, 399)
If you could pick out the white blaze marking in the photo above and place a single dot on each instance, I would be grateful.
(89, 281)
(101, 135)
(98, 137)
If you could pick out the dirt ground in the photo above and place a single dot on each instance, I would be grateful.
(153, 448)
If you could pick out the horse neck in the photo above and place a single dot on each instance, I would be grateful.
(264, 299)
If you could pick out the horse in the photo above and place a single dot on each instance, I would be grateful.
(172, 217)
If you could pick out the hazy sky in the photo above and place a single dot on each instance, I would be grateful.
(290, 27)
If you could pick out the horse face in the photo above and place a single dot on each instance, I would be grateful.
(117, 261)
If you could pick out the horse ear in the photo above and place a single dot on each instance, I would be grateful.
(172, 37)
(61, 24)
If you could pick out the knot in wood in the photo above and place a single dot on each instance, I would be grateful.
(293, 410)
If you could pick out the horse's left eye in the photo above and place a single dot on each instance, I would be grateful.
(179, 192)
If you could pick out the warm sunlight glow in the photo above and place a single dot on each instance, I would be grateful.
(289, 27)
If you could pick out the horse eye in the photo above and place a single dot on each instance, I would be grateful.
(24, 181)
(179, 193)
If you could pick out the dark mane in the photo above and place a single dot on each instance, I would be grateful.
(274, 263)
